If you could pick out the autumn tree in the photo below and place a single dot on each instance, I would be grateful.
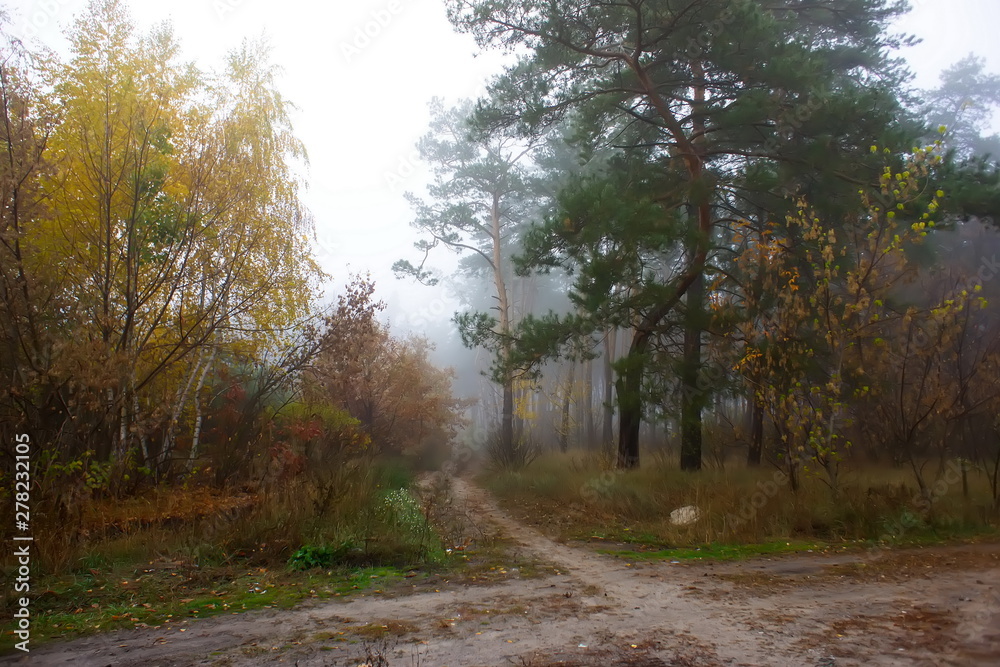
(839, 344)
(166, 229)
(28, 116)
(401, 400)
(399, 397)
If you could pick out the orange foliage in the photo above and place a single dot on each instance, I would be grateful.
(161, 505)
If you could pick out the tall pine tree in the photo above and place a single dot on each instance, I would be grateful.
(726, 108)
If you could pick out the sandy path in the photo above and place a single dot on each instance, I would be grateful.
(925, 607)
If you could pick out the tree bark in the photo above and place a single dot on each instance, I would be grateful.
(693, 394)
(691, 150)
(587, 405)
(756, 447)
(566, 400)
(169, 436)
(507, 414)
(608, 434)
(630, 385)
(629, 418)
(196, 431)
(629, 388)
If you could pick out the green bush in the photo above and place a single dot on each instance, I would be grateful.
(308, 557)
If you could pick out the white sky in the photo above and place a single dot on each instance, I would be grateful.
(363, 100)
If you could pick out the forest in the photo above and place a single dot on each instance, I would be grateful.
(727, 284)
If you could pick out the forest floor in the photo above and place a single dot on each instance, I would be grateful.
(928, 606)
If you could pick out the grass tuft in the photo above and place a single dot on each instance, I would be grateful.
(574, 497)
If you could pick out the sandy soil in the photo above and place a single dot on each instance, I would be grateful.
(934, 606)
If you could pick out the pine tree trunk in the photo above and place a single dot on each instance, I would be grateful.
(507, 417)
(564, 420)
(629, 388)
(629, 418)
(587, 405)
(608, 433)
(692, 394)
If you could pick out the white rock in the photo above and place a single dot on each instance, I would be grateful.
(682, 516)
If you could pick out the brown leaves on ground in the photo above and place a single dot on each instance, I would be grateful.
(162, 506)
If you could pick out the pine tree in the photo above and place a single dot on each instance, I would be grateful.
(722, 110)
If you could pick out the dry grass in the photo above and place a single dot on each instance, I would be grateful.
(208, 526)
(572, 496)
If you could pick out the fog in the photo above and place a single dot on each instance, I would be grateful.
(362, 76)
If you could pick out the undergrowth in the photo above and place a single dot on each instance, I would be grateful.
(573, 496)
(177, 554)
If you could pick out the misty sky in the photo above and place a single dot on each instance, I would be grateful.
(362, 72)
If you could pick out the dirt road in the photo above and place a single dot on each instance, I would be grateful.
(935, 606)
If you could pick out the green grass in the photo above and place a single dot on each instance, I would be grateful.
(721, 552)
(394, 473)
(73, 605)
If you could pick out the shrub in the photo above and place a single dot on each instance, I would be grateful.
(308, 557)
(517, 457)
